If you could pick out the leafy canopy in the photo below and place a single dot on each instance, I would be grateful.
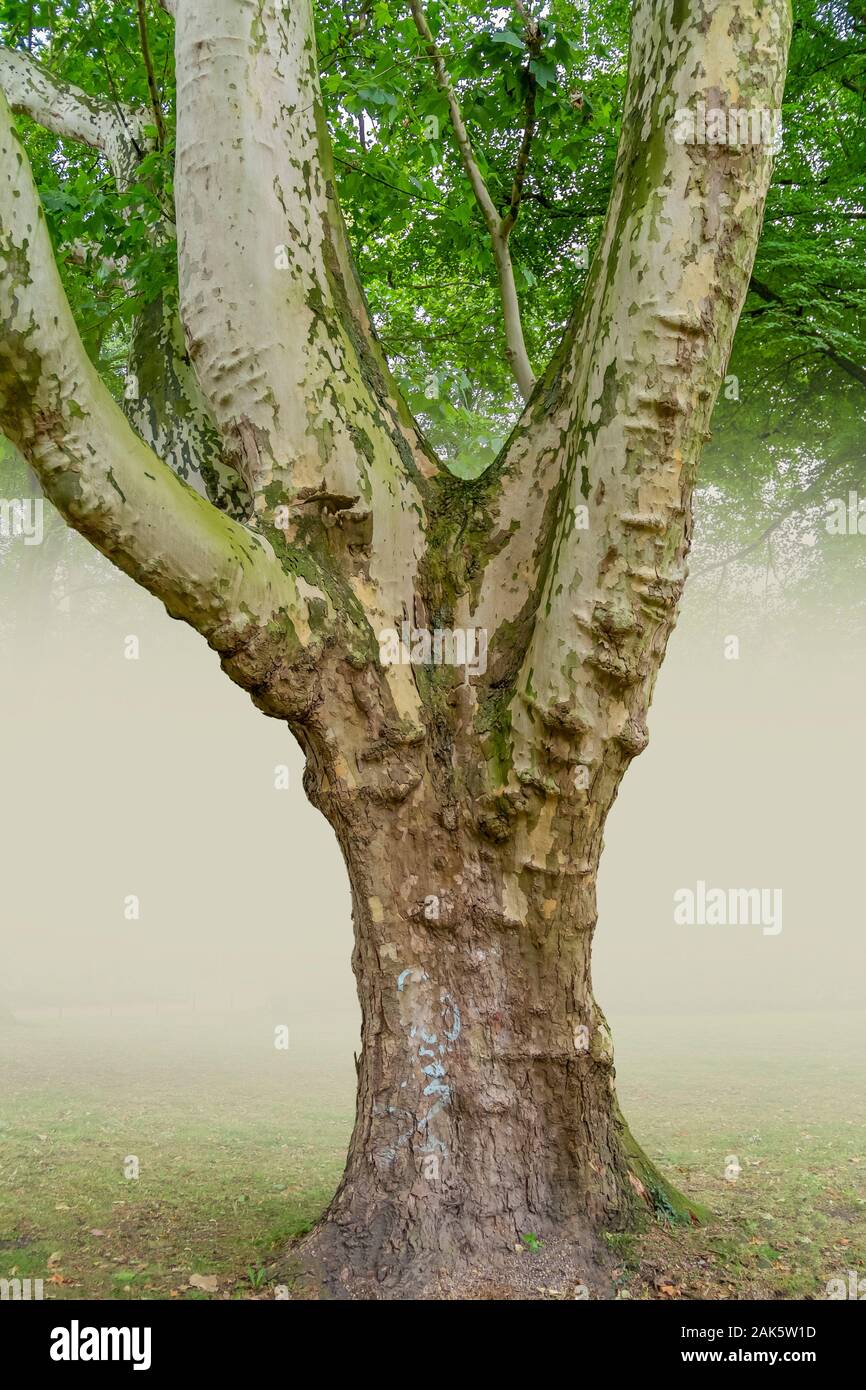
(788, 429)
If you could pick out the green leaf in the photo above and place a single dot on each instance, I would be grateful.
(543, 73)
(509, 37)
(377, 96)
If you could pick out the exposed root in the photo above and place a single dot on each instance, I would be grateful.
(325, 1265)
(664, 1200)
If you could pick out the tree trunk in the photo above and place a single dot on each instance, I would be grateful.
(486, 1102)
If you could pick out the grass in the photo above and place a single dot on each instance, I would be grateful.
(240, 1146)
(787, 1097)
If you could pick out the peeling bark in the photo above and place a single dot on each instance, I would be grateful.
(167, 410)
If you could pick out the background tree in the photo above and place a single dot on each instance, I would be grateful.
(270, 485)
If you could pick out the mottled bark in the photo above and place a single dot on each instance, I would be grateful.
(486, 1105)
(54, 408)
(61, 107)
(165, 406)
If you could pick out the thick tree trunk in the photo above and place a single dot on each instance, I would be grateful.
(486, 1101)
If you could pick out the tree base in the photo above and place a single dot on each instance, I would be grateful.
(338, 1261)
(325, 1265)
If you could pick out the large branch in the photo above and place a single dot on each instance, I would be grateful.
(276, 322)
(277, 327)
(614, 432)
(498, 227)
(205, 568)
(164, 402)
(64, 109)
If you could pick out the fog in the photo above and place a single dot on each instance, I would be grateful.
(156, 779)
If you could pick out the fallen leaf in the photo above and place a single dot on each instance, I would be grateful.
(208, 1283)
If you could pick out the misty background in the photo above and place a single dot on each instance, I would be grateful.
(156, 777)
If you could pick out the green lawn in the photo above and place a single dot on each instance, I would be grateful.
(787, 1096)
(240, 1146)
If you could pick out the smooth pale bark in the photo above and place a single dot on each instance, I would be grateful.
(164, 402)
(106, 482)
(470, 811)
(63, 108)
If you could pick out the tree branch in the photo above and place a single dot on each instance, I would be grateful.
(498, 228)
(597, 479)
(522, 159)
(155, 104)
(532, 38)
(277, 326)
(165, 404)
(64, 109)
(205, 568)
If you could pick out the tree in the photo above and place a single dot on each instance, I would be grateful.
(270, 485)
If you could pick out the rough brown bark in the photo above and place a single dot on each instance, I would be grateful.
(486, 1101)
